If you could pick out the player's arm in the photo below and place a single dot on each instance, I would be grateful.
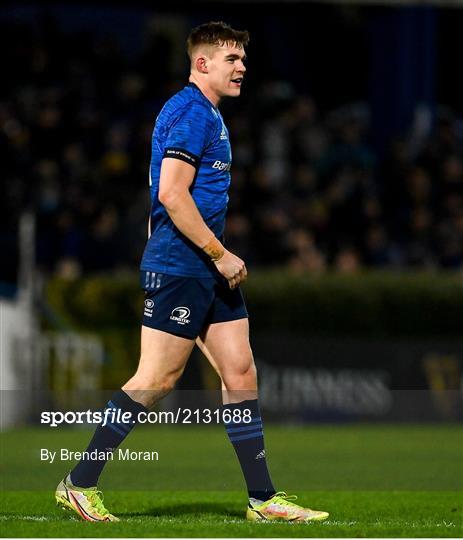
(174, 194)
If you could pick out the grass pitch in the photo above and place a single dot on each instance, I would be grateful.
(376, 481)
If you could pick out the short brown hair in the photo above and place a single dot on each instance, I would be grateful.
(216, 33)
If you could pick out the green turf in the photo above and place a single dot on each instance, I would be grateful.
(376, 481)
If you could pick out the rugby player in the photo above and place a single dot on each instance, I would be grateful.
(191, 281)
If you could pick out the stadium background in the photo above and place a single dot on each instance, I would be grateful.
(346, 203)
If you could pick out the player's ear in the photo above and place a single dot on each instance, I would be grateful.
(201, 64)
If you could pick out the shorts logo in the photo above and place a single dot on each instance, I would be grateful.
(149, 305)
(180, 314)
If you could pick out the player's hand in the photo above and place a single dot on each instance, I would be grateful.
(232, 269)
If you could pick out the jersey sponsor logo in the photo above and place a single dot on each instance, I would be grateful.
(221, 165)
(180, 315)
(149, 305)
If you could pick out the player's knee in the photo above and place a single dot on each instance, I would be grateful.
(247, 370)
(162, 382)
(166, 383)
(241, 376)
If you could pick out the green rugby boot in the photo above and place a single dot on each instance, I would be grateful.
(281, 507)
(87, 503)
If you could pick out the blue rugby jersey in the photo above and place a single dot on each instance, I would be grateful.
(191, 129)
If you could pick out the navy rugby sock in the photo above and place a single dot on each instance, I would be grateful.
(247, 439)
(105, 440)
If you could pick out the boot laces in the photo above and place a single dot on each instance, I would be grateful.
(96, 499)
(287, 500)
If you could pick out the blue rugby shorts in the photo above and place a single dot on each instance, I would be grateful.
(184, 306)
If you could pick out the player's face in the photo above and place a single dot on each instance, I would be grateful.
(226, 70)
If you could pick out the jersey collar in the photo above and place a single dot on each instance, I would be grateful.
(196, 87)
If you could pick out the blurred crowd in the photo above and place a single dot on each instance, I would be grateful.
(308, 191)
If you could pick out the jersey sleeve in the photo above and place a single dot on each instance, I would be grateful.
(190, 134)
